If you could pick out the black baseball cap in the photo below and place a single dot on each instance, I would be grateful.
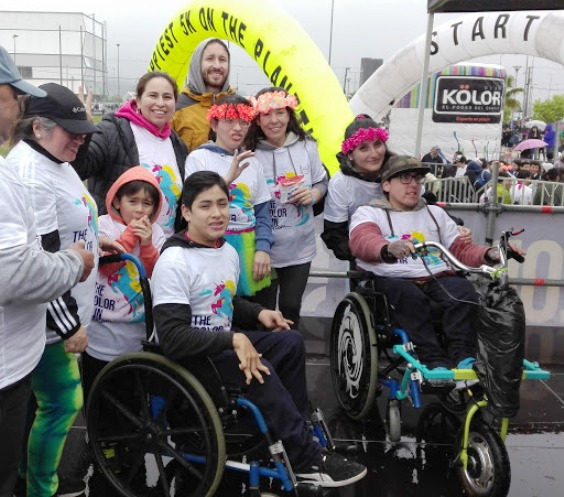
(62, 106)
(9, 75)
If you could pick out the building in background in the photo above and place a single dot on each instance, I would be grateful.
(367, 67)
(68, 48)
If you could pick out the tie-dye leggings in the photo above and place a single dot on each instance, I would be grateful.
(58, 392)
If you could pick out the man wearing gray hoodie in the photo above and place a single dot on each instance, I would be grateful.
(207, 81)
(29, 278)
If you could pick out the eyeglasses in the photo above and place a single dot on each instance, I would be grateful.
(406, 178)
(241, 122)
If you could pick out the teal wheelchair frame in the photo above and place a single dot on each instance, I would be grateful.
(363, 329)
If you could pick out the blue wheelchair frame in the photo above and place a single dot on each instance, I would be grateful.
(281, 469)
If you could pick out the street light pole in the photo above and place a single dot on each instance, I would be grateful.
(118, 87)
(331, 31)
(14, 38)
(517, 68)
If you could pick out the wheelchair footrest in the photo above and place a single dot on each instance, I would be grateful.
(437, 386)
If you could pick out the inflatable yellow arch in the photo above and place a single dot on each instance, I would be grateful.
(278, 44)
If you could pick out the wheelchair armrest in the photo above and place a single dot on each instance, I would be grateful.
(150, 346)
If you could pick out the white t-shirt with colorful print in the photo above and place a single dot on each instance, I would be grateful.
(157, 156)
(61, 203)
(417, 225)
(118, 322)
(248, 190)
(204, 278)
(346, 194)
(293, 226)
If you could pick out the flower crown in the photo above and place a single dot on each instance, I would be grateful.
(273, 100)
(363, 134)
(231, 111)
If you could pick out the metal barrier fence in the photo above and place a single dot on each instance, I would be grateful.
(531, 192)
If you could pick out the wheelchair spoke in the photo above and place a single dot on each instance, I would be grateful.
(145, 408)
(123, 409)
(149, 417)
(135, 467)
(169, 397)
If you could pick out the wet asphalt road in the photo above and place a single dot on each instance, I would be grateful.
(421, 463)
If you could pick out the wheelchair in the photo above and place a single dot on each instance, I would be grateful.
(363, 331)
(154, 428)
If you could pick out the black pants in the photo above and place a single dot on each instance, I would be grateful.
(412, 310)
(288, 288)
(13, 406)
(283, 397)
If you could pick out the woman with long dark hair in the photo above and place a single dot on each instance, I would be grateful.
(297, 180)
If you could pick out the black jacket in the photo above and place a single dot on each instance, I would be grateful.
(110, 153)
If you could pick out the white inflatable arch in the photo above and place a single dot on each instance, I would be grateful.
(538, 33)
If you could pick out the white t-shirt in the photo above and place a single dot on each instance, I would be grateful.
(22, 326)
(204, 278)
(293, 227)
(418, 225)
(346, 194)
(460, 171)
(118, 322)
(61, 203)
(521, 194)
(157, 156)
(249, 189)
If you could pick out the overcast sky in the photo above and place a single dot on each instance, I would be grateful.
(361, 28)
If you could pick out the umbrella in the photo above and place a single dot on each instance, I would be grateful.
(535, 122)
(532, 143)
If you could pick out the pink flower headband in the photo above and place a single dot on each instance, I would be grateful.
(231, 111)
(273, 100)
(363, 134)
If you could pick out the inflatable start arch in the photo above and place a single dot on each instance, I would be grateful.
(278, 44)
(539, 33)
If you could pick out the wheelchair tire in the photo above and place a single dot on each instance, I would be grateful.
(488, 473)
(354, 356)
(394, 420)
(163, 415)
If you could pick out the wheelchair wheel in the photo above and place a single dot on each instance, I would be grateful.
(354, 356)
(394, 420)
(488, 473)
(146, 414)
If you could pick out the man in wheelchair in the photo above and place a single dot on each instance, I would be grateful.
(382, 237)
(196, 314)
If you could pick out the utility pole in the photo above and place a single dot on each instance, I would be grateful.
(14, 37)
(118, 87)
(331, 31)
(345, 80)
(527, 92)
(517, 69)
